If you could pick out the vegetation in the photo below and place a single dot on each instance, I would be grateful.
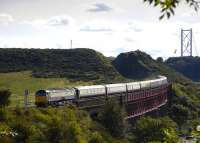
(4, 97)
(4, 101)
(74, 64)
(51, 125)
(167, 7)
(188, 66)
(96, 138)
(185, 107)
(61, 124)
(148, 129)
(112, 117)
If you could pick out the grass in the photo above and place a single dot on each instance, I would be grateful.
(17, 82)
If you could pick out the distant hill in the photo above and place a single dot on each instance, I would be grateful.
(75, 64)
(139, 65)
(188, 66)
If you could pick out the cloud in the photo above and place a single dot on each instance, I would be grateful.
(128, 39)
(58, 21)
(95, 29)
(100, 7)
(136, 26)
(6, 18)
(137, 29)
(52, 22)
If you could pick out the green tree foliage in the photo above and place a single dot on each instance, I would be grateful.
(5, 133)
(73, 133)
(96, 138)
(188, 66)
(168, 6)
(4, 97)
(23, 131)
(148, 129)
(184, 103)
(179, 113)
(4, 101)
(113, 118)
(37, 135)
(54, 132)
(51, 125)
(2, 114)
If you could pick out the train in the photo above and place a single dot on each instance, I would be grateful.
(72, 95)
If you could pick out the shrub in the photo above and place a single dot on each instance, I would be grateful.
(148, 129)
(54, 131)
(179, 113)
(73, 133)
(37, 136)
(2, 114)
(96, 138)
(5, 134)
(22, 130)
(4, 97)
(112, 117)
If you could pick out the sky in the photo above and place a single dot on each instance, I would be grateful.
(108, 26)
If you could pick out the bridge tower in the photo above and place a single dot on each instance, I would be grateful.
(186, 42)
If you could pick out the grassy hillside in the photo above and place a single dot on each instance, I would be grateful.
(74, 64)
(188, 66)
(17, 82)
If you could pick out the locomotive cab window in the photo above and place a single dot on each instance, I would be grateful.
(41, 93)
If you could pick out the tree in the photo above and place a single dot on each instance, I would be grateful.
(54, 132)
(148, 129)
(4, 97)
(73, 133)
(180, 114)
(113, 118)
(167, 6)
(22, 128)
(96, 138)
(5, 134)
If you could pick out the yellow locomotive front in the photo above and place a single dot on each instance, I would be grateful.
(41, 98)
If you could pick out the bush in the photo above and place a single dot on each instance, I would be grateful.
(148, 129)
(179, 114)
(54, 131)
(4, 98)
(96, 138)
(23, 131)
(37, 136)
(73, 133)
(5, 134)
(112, 117)
(2, 114)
